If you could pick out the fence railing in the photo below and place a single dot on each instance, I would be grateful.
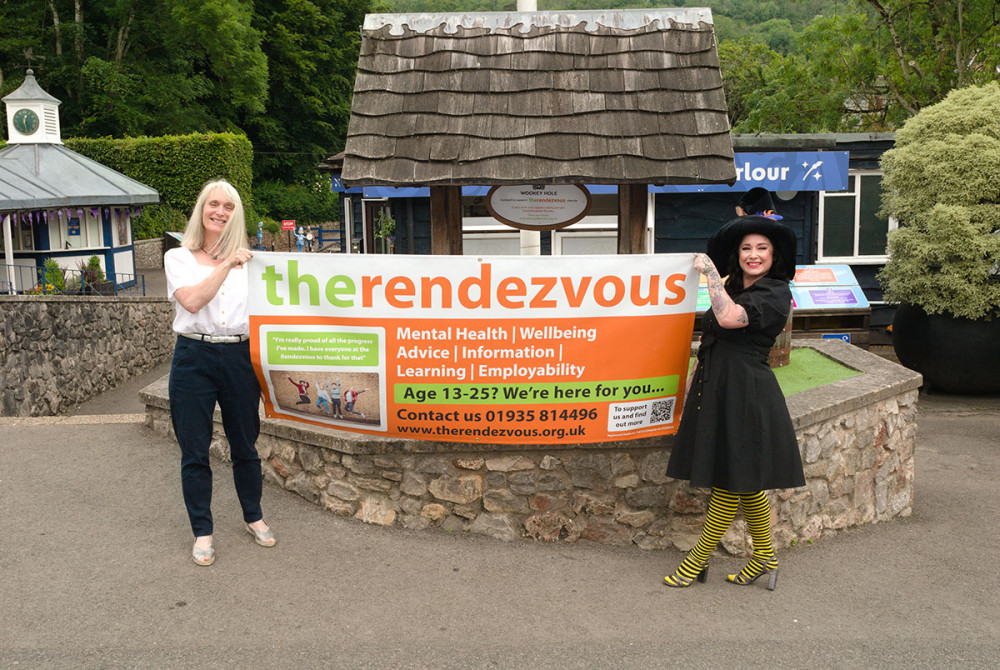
(28, 280)
(328, 237)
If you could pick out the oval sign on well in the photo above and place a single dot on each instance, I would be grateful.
(539, 206)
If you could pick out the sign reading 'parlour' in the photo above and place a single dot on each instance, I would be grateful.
(539, 206)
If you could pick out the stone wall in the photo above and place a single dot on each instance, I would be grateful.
(149, 254)
(58, 351)
(857, 439)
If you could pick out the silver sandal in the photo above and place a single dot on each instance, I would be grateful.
(264, 538)
(203, 557)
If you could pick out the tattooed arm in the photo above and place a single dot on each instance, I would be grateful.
(727, 312)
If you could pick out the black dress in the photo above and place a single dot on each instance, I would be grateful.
(735, 431)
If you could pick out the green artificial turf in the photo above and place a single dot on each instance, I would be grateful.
(807, 369)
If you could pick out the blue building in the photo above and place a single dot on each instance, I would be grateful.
(56, 203)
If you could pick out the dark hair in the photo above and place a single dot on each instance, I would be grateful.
(779, 269)
(734, 282)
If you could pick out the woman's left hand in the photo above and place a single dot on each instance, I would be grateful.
(239, 257)
(194, 297)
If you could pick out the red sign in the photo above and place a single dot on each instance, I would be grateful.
(814, 275)
(288, 225)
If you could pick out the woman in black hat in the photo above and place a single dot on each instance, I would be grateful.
(735, 435)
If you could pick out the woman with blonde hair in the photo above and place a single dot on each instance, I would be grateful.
(207, 282)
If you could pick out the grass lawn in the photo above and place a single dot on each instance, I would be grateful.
(807, 369)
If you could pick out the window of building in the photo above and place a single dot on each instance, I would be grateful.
(26, 239)
(121, 217)
(850, 230)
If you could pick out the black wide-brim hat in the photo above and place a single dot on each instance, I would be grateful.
(729, 237)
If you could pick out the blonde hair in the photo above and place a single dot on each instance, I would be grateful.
(234, 235)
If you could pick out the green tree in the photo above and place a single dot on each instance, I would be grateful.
(312, 48)
(779, 34)
(746, 65)
(848, 74)
(933, 47)
(128, 67)
(768, 92)
(225, 49)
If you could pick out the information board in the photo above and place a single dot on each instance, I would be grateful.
(815, 288)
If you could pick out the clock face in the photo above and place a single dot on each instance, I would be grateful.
(25, 121)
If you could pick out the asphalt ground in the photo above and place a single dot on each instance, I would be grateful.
(95, 572)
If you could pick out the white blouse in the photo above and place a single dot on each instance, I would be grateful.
(225, 314)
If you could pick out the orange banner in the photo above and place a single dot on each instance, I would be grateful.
(505, 350)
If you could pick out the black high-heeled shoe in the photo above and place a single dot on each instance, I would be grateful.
(680, 580)
(754, 569)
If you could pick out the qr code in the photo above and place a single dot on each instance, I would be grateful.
(662, 411)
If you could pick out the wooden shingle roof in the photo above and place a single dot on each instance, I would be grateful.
(616, 97)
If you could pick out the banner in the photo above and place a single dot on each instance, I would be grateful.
(503, 350)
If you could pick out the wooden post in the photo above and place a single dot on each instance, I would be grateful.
(632, 208)
(446, 220)
(781, 351)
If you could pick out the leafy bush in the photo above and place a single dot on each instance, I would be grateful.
(91, 270)
(53, 275)
(155, 220)
(177, 166)
(385, 225)
(942, 183)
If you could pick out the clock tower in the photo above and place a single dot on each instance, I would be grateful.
(32, 114)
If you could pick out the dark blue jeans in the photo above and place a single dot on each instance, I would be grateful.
(202, 374)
